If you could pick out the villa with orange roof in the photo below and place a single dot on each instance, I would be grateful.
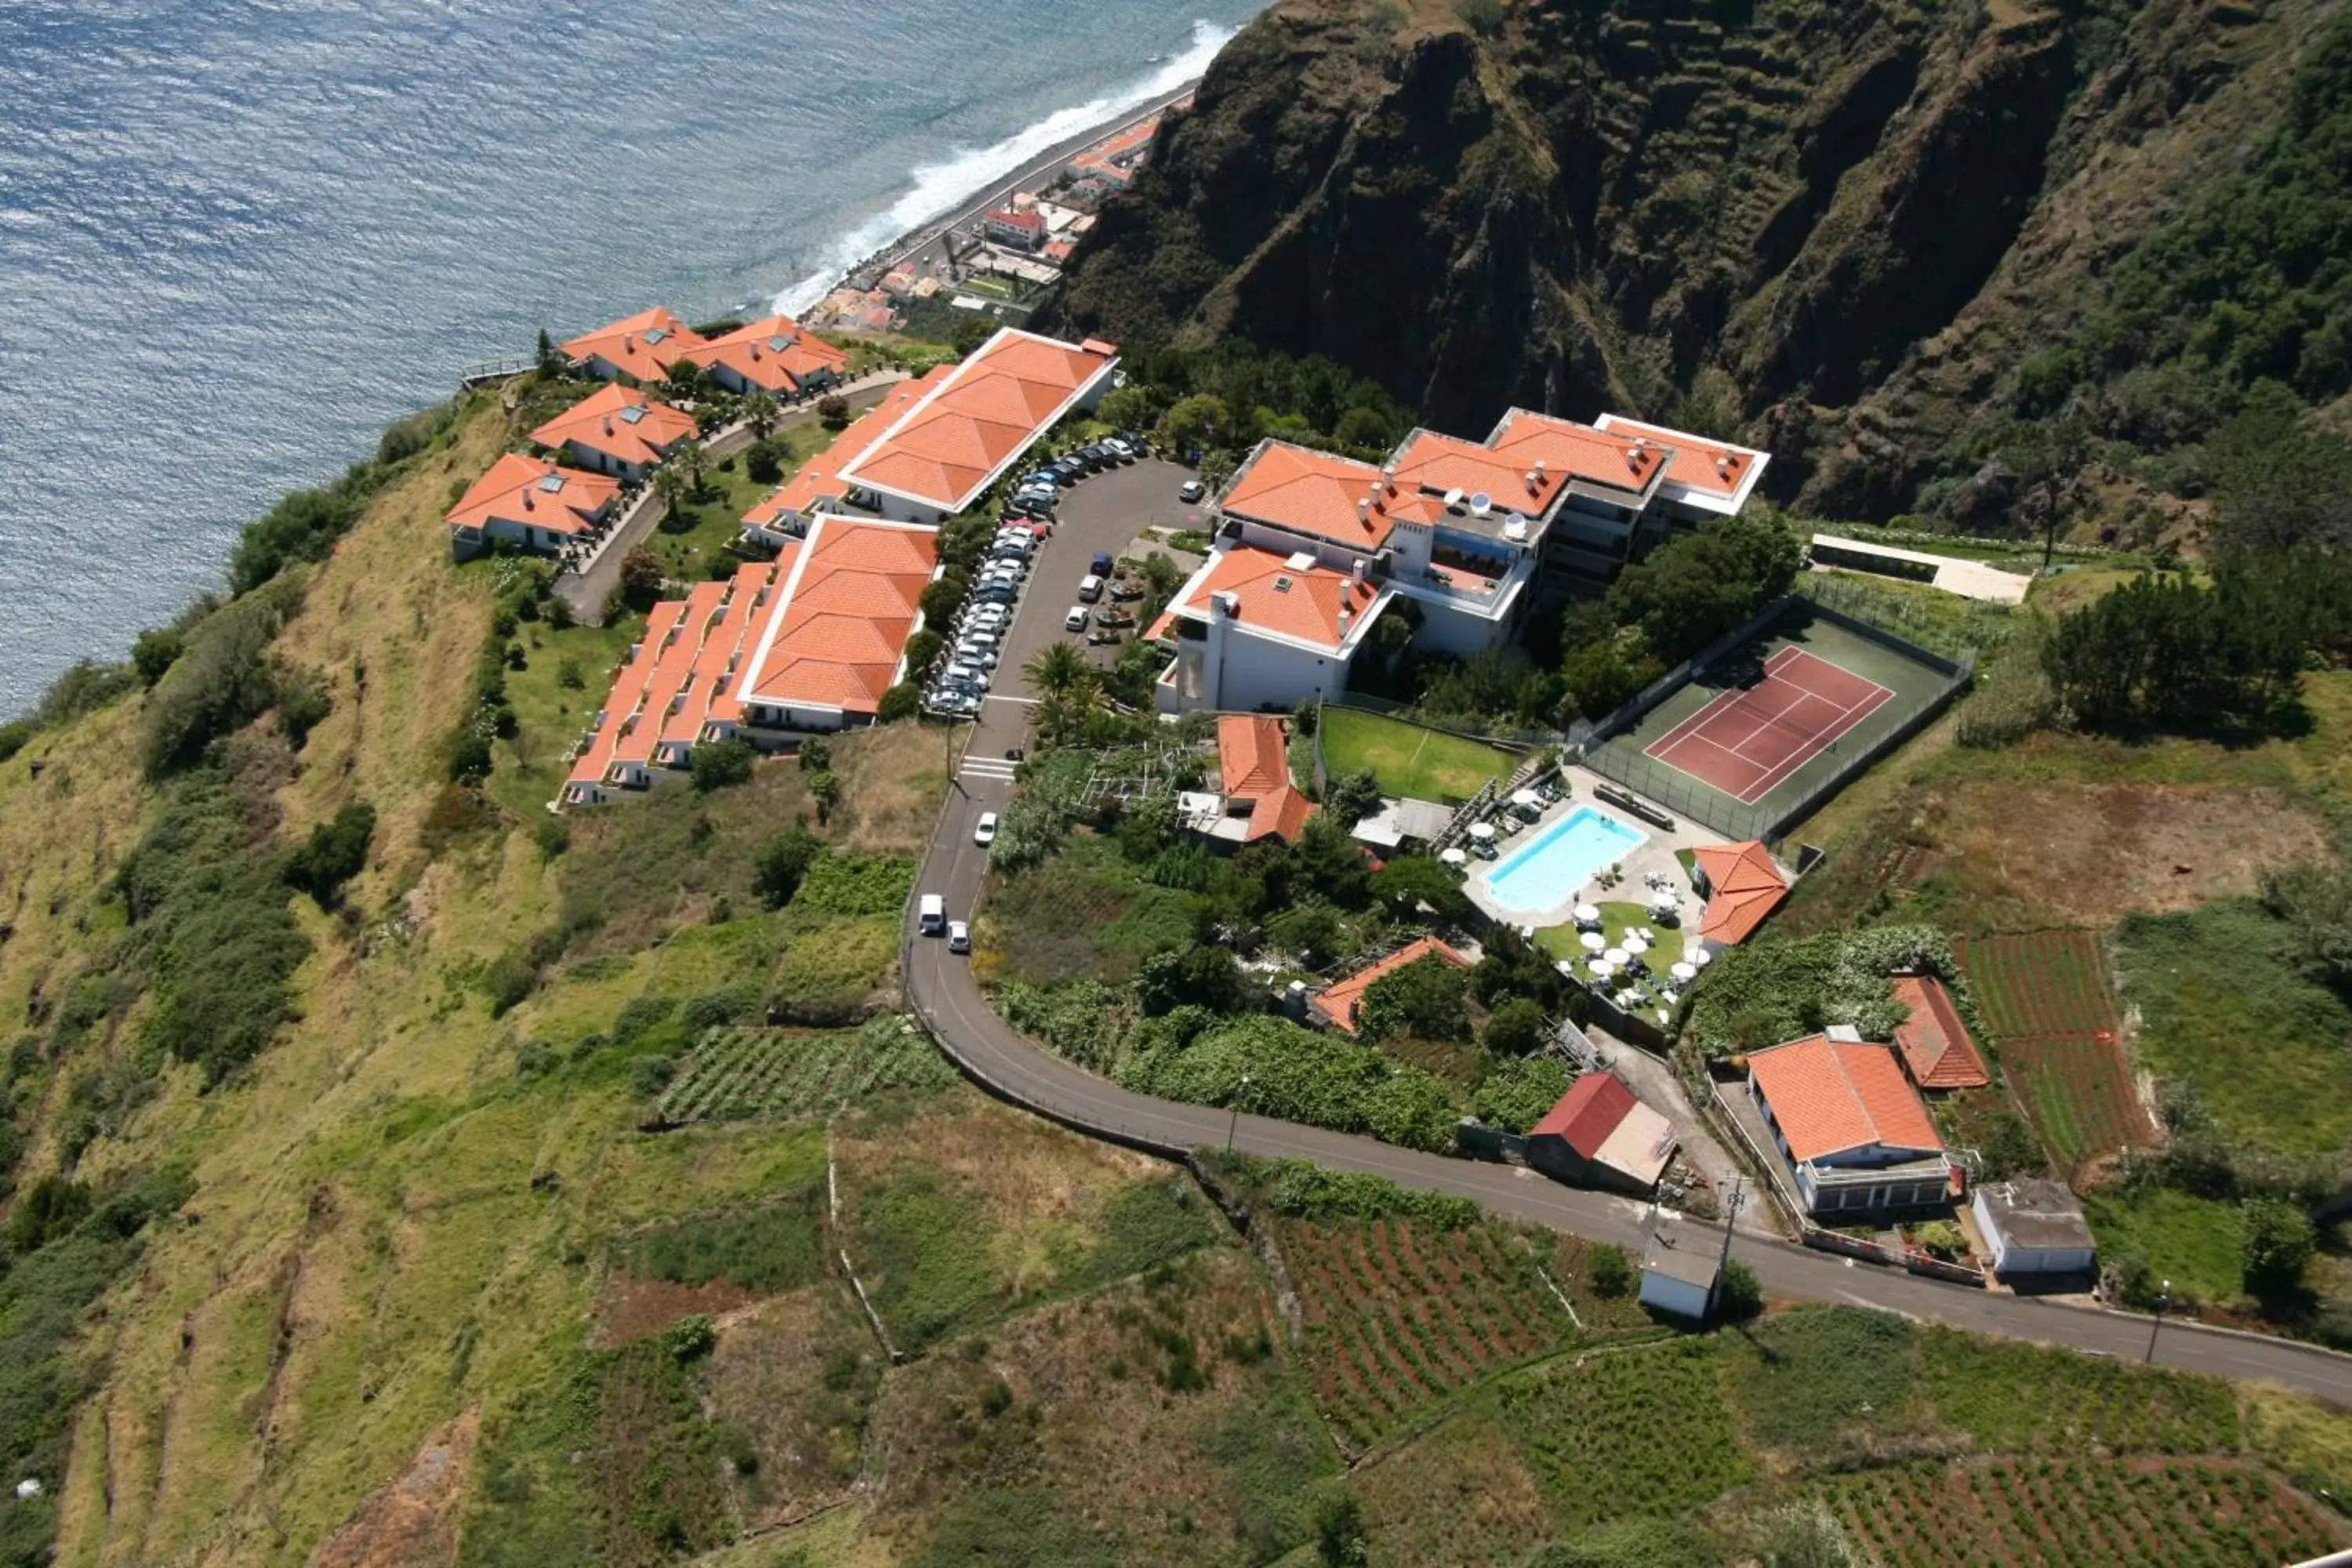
(619, 431)
(775, 355)
(643, 346)
(1256, 629)
(817, 487)
(1467, 531)
(1258, 800)
(531, 503)
(808, 642)
(1742, 886)
(1339, 1002)
(975, 422)
(1855, 1133)
(1935, 1044)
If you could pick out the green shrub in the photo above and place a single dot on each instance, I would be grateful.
(839, 883)
(13, 736)
(222, 680)
(1517, 1093)
(727, 1005)
(507, 980)
(1299, 1075)
(1609, 1269)
(719, 764)
(84, 688)
(155, 651)
(1740, 1297)
(640, 1016)
(1424, 1000)
(1515, 1027)
(692, 1339)
(1300, 1189)
(303, 703)
(335, 853)
(302, 527)
(783, 864)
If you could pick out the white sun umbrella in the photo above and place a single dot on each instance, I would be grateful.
(1454, 857)
(1593, 941)
(1635, 944)
(1684, 972)
(1585, 915)
(1482, 830)
(1702, 957)
(1615, 955)
(1601, 967)
(1528, 798)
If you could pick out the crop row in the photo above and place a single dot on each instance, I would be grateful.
(2078, 1091)
(2043, 982)
(739, 1073)
(1399, 1314)
(2062, 1514)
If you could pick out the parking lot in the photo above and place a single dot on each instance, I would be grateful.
(1103, 513)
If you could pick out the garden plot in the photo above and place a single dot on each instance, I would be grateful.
(2060, 1513)
(1400, 1314)
(738, 1073)
(2054, 1021)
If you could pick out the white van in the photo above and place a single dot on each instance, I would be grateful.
(934, 922)
(1090, 588)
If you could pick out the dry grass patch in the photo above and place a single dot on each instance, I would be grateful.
(409, 1521)
(1459, 1493)
(631, 1308)
(1123, 1415)
(893, 778)
(795, 1377)
(960, 1213)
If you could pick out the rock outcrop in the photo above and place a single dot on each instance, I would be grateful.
(1835, 228)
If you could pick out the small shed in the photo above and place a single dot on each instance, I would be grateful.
(1599, 1135)
(2035, 1229)
(1682, 1268)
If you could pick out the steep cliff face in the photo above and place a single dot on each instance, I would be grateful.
(1833, 227)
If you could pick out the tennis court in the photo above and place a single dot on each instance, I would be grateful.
(1765, 733)
(1751, 737)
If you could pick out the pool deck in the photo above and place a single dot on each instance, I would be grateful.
(1655, 854)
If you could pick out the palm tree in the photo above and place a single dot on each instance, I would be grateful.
(690, 460)
(1059, 670)
(759, 412)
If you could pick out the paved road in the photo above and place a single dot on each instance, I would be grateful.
(940, 986)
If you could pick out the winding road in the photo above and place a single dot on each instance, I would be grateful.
(1104, 514)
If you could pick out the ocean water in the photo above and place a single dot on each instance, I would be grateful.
(239, 237)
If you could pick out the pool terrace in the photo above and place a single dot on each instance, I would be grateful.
(1653, 856)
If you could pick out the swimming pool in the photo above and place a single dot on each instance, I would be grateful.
(1546, 873)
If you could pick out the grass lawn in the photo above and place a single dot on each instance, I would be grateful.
(2190, 1240)
(1407, 759)
(1617, 918)
(2224, 1006)
(700, 552)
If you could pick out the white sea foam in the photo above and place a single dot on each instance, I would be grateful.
(938, 188)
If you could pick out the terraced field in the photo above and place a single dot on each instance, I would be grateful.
(2054, 1020)
(735, 1074)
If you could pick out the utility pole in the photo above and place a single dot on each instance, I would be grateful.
(1235, 1125)
(2162, 1301)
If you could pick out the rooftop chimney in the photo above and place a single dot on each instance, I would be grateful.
(1356, 569)
(1228, 602)
(1540, 467)
(628, 342)
(1725, 464)
(529, 504)
(1364, 509)
(1346, 615)
(608, 425)
(1534, 481)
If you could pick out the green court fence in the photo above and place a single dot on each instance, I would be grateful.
(1768, 819)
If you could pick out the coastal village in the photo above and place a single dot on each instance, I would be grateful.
(842, 610)
(975, 921)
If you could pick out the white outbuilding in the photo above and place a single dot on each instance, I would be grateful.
(2035, 1228)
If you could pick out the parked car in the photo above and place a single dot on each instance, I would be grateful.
(975, 653)
(1125, 590)
(1190, 490)
(934, 920)
(959, 937)
(983, 832)
(1042, 478)
(1090, 588)
(1134, 438)
(1110, 615)
(1100, 565)
(1075, 621)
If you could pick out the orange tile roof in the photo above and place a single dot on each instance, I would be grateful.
(1308, 492)
(643, 346)
(977, 419)
(1280, 812)
(1718, 468)
(620, 422)
(1574, 451)
(679, 680)
(1340, 999)
(1111, 157)
(1933, 1042)
(837, 629)
(1308, 603)
(775, 353)
(1253, 754)
(1747, 886)
(1586, 1115)
(1428, 466)
(818, 481)
(532, 492)
(1828, 1097)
